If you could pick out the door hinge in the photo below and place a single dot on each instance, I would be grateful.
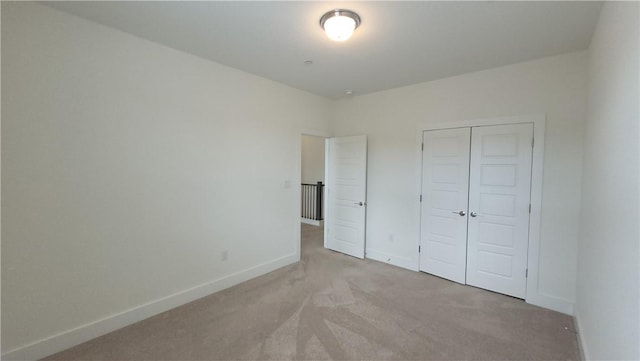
(418, 249)
(421, 198)
(422, 146)
(526, 273)
(529, 207)
(533, 140)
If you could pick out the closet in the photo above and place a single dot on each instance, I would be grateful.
(476, 194)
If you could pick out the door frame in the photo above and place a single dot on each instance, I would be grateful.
(533, 250)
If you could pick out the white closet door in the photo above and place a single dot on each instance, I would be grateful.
(445, 185)
(499, 198)
(346, 191)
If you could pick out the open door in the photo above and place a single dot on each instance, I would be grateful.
(346, 189)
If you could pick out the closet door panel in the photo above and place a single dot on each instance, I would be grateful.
(445, 186)
(499, 198)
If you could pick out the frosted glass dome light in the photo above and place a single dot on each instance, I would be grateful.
(339, 24)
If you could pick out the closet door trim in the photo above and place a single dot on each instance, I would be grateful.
(533, 295)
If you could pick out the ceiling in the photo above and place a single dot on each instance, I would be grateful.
(398, 43)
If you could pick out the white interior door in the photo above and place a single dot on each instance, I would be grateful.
(445, 186)
(346, 190)
(499, 198)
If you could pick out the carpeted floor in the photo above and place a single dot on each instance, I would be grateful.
(332, 306)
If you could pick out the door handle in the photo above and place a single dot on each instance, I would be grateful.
(359, 204)
(460, 213)
(473, 214)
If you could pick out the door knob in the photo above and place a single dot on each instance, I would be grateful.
(473, 214)
(460, 213)
(359, 204)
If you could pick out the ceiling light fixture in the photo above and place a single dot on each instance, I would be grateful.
(339, 24)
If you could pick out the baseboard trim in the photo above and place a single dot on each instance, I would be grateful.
(69, 338)
(398, 261)
(538, 299)
(584, 354)
(552, 303)
(312, 222)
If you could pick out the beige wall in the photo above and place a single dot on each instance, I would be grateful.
(391, 119)
(607, 307)
(128, 167)
(312, 159)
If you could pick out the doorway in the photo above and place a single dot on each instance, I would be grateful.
(312, 208)
(342, 163)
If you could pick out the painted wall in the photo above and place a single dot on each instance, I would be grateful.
(127, 168)
(312, 159)
(607, 307)
(391, 119)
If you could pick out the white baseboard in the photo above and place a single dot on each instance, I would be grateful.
(398, 261)
(69, 338)
(312, 222)
(584, 353)
(542, 300)
(550, 302)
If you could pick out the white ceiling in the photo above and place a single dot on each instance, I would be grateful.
(399, 43)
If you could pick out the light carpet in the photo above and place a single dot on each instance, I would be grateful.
(334, 307)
